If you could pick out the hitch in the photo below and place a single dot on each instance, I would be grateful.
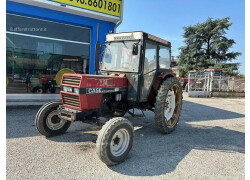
(136, 115)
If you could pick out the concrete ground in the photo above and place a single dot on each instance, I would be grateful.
(208, 143)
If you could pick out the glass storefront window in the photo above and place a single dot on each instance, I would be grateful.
(35, 56)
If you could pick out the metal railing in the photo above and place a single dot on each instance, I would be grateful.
(210, 83)
(227, 84)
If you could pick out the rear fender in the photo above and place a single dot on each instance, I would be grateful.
(157, 84)
(161, 78)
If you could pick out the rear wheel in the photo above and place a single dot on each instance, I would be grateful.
(47, 121)
(168, 105)
(38, 90)
(115, 141)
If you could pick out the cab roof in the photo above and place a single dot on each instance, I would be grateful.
(137, 35)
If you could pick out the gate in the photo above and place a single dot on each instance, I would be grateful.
(199, 84)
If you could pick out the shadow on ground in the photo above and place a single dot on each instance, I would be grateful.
(152, 153)
(156, 154)
(193, 112)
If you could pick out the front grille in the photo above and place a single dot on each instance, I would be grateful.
(71, 80)
(71, 100)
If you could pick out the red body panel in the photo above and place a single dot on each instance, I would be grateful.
(43, 79)
(168, 74)
(93, 101)
(93, 81)
(185, 81)
(159, 79)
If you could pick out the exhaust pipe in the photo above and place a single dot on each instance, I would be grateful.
(98, 49)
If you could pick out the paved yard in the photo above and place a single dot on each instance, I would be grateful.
(208, 143)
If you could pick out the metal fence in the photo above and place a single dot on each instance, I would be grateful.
(227, 84)
(200, 84)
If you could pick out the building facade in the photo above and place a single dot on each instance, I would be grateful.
(45, 36)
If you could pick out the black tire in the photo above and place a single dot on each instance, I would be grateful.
(39, 111)
(106, 139)
(170, 85)
(45, 115)
(37, 90)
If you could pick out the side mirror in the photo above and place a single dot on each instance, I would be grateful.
(135, 49)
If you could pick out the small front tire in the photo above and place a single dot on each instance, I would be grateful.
(47, 121)
(115, 141)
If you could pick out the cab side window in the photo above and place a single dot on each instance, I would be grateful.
(164, 57)
(150, 57)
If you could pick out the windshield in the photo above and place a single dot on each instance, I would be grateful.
(118, 57)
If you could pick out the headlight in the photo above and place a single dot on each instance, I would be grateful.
(67, 89)
(77, 90)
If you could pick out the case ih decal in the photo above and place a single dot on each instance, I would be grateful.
(104, 90)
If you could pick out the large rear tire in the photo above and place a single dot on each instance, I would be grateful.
(168, 105)
(47, 121)
(115, 141)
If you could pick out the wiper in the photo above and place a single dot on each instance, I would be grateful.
(125, 44)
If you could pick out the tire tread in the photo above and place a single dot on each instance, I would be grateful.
(103, 136)
(160, 102)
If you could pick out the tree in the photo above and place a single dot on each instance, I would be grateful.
(206, 46)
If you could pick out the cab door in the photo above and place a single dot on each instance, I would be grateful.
(149, 69)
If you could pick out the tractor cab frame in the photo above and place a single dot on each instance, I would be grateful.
(141, 57)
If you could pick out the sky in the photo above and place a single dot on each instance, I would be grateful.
(166, 19)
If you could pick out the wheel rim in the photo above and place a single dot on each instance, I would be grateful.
(53, 122)
(169, 105)
(119, 142)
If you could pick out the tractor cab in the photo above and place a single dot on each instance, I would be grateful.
(140, 56)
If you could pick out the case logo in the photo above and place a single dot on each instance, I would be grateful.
(94, 90)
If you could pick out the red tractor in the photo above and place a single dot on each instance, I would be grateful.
(135, 73)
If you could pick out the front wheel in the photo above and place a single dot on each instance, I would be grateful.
(47, 121)
(115, 141)
(168, 105)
